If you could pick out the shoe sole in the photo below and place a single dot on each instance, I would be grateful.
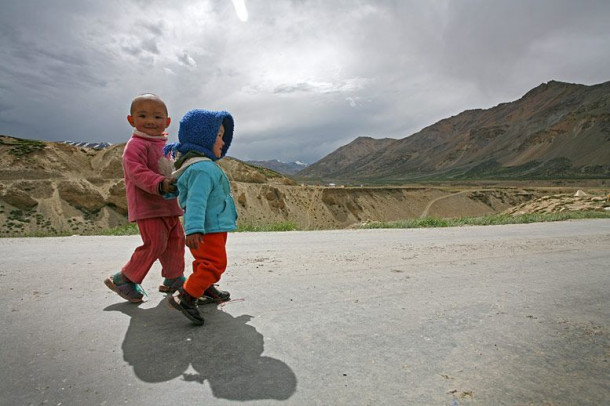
(175, 305)
(203, 300)
(108, 282)
(206, 300)
(166, 289)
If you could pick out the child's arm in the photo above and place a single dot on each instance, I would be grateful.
(135, 165)
(198, 185)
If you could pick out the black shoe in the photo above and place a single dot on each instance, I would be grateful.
(214, 295)
(187, 304)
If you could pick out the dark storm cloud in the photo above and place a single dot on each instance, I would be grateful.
(487, 42)
(302, 78)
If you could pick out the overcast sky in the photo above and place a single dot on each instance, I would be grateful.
(300, 77)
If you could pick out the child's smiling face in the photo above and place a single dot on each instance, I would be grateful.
(220, 143)
(150, 117)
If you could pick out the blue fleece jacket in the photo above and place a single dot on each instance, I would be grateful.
(205, 195)
(204, 192)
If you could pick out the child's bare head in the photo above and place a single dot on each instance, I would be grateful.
(149, 97)
(148, 114)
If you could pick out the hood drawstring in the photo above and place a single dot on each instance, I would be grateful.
(171, 150)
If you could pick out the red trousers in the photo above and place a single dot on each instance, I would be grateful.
(209, 264)
(163, 239)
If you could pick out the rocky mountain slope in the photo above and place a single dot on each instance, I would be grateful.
(51, 187)
(556, 130)
(54, 188)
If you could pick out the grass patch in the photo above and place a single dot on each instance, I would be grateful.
(132, 228)
(22, 147)
(127, 229)
(495, 219)
(284, 226)
(426, 222)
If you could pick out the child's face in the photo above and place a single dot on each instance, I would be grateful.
(149, 117)
(220, 143)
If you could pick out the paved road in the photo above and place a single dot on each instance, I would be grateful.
(512, 315)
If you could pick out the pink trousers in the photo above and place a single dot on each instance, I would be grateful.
(163, 239)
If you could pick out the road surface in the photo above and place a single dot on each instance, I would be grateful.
(508, 315)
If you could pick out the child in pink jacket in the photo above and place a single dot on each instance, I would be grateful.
(147, 177)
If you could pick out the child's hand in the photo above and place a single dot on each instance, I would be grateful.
(193, 240)
(168, 186)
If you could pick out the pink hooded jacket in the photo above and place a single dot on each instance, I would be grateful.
(145, 166)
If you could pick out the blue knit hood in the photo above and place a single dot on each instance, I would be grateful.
(198, 131)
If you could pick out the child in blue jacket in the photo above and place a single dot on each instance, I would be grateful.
(204, 193)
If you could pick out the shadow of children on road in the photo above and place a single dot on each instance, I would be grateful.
(160, 345)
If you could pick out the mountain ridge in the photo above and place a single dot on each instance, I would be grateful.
(285, 168)
(51, 188)
(556, 129)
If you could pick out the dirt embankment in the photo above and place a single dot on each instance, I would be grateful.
(86, 206)
(55, 188)
(316, 207)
